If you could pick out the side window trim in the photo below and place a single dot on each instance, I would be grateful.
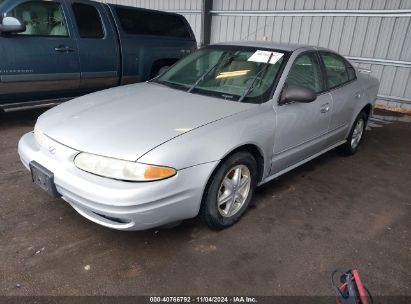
(345, 61)
(188, 27)
(323, 73)
(348, 66)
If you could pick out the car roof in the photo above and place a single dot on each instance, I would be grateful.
(291, 47)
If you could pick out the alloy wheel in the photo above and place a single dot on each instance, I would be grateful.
(234, 190)
(357, 134)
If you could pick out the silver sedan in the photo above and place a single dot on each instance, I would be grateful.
(199, 138)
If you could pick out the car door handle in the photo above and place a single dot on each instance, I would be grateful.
(325, 108)
(63, 49)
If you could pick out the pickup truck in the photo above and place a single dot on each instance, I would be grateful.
(52, 51)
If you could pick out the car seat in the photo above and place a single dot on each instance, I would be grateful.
(27, 19)
(60, 28)
(238, 82)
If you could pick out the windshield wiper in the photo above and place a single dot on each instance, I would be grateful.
(251, 86)
(224, 62)
(169, 84)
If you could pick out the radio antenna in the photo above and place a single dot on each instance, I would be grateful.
(265, 38)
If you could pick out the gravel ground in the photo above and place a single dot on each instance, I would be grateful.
(334, 212)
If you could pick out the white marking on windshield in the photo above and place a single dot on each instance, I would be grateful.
(263, 56)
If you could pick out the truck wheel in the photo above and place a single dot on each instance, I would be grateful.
(356, 135)
(229, 191)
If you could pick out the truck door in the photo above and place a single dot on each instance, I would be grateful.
(41, 63)
(98, 45)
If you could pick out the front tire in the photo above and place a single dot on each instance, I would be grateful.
(229, 191)
(356, 135)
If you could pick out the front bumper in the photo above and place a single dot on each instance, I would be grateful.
(118, 204)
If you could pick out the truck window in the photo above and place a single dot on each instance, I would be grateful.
(41, 18)
(146, 22)
(88, 21)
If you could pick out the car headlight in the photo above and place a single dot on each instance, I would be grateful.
(121, 169)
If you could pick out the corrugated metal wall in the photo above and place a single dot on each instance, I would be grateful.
(374, 34)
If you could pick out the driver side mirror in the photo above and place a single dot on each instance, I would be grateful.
(12, 25)
(297, 94)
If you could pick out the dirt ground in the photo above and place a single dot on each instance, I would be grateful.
(334, 212)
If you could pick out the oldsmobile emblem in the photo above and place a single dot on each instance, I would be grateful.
(52, 150)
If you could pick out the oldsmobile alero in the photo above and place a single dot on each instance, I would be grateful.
(200, 137)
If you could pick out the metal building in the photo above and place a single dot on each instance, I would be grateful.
(374, 34)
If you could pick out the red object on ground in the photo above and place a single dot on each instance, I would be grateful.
(362, 296)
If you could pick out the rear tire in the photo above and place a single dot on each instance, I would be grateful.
(229, 191)
(356, 135)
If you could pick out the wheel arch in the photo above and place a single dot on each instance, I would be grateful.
(254, 150)
(367, 109)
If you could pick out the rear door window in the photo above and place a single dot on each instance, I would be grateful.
(146, 22)
(88, 21)
(337, 69)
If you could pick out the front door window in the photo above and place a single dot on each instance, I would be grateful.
(306, 72)
(41, 18)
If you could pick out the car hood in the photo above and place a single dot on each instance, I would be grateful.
(127, 122)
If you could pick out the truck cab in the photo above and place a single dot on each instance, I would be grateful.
(68, 48)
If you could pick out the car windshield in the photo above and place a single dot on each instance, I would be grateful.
(227, 72)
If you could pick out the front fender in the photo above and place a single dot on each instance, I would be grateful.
(214, 141)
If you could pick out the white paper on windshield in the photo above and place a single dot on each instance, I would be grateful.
(262, 56)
